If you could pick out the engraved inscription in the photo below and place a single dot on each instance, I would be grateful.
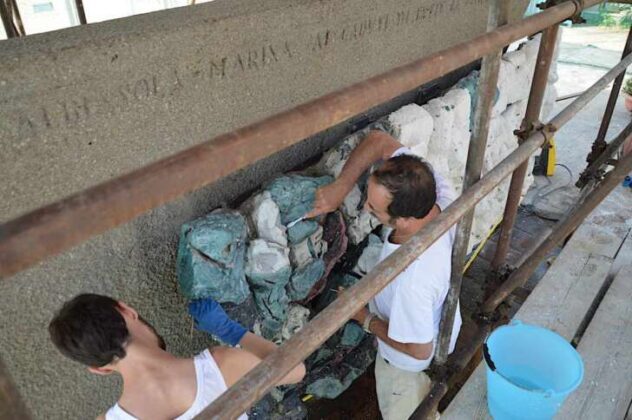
(212, 71)
(388, 22)
(73, 112)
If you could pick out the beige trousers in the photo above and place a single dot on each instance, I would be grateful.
(399, 392)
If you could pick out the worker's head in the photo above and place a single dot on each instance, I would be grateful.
(97, 331)
(401, 190)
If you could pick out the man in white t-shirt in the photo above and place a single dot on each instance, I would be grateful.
(405, 195)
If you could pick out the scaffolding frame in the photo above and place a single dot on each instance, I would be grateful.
(55, 228)
(11, 19)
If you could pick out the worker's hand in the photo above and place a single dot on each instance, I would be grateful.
(210, 317)
(328, 198)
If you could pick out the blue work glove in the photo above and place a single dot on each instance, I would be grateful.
(210, 317)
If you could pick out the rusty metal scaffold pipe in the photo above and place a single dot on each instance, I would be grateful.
(487, 88)
(456, 362)
(9, 29)
(614, 95)
(607, 154)
(532, 117)
(561, 230)
(528, 265)
(555, 124)
(81, 13)
(257, 382)
(11, 23)
(54, 228)
(429, 407)
(262, 378)
(17, 17)
(578, 104)
(104, 197)
(600, 144)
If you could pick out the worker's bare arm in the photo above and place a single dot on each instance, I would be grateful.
(377, 146)
(235, 363)
(419, 351)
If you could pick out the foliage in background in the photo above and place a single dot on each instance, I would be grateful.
(609, 20)
(627, 87)
(611, 15)
(626, 17)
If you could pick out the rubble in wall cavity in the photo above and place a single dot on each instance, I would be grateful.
(272, 274)
(273, 278)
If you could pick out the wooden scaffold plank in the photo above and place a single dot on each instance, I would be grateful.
(606, 348)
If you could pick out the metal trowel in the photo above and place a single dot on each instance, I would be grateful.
(300, 219)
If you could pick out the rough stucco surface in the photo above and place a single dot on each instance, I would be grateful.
(135, 263)
(120, 94)
(141, 88)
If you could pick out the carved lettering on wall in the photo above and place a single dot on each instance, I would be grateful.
(76, 112)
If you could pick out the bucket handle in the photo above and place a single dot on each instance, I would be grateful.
(486, 355)
(488, 358)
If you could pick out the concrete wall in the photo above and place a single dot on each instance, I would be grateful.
(82, 105)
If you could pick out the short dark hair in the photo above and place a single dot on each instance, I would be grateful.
(89, 329)
(411, 183)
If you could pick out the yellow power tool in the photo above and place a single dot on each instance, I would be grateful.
(545, 163)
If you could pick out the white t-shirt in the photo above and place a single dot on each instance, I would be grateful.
(413, 301)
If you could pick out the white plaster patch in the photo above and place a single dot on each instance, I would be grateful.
(334, 159)
(412, 125)
(266, 258)
(351, 204)
(300, 255)
(370, 256)
(266, 219)
(359, 227)
(297, 318)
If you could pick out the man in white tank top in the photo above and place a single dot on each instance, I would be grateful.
(405, 194)
(109, 337)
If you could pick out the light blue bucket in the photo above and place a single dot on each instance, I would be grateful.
(530, 371)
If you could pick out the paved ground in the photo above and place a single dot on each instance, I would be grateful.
(575, 139)
(592, 46)
(595, 36)
(586, 46)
